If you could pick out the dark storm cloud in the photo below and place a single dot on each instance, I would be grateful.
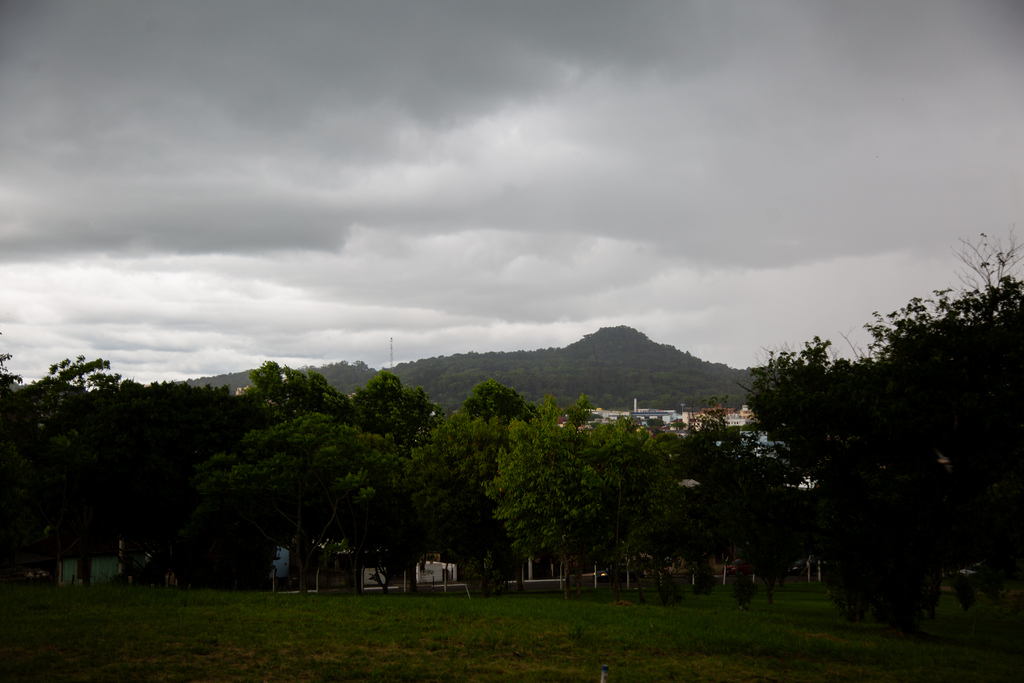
(164, 105)
(480, 171)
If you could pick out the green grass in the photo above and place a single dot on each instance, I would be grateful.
(106, 633)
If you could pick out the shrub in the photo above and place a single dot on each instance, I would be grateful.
(704, 579)
(744, 590)
(990, 583)
(964, 589)
(668, 590)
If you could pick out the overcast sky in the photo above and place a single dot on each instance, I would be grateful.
(189, 189)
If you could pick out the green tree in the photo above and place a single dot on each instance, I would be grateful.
(452, 470)
(403, 414)
(288, 393)
(395, 533)
(915, 432)
(548, 490)
(295, 481)
(490, 399)
(153, 437)
(14, 498)
(68, 478)
(634, 484)
(760, 501)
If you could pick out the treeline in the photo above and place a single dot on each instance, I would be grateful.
(612, 366)
(896, 467)
(344, 376)
(206, 482)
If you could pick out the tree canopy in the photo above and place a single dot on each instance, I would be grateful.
(900, 443)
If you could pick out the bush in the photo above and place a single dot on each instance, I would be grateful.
(704, 579)
(989, 582)
(668, 590)
(964, 589)
(744, 590)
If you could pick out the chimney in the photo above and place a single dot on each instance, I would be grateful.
(634, 405)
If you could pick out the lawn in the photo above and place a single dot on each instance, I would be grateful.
(107, 633)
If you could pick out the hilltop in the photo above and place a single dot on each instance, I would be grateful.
(612, 366)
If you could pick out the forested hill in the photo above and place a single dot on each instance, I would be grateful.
(612, 366)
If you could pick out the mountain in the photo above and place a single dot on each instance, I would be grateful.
(612, 366)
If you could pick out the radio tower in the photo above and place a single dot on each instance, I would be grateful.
(392, 353)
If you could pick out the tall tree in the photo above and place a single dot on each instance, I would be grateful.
(287, 393)
(451, 471)
(154, 436)
(403, 414)
(14, 499)
(70, 479)
(490, 399)
(632, 476)
(548, 490)
(295, 481)
(404, 417)
(899, 443)
(760, 501)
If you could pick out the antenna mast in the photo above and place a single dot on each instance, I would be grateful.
(392, 353)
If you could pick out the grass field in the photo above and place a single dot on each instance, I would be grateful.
(106, 633)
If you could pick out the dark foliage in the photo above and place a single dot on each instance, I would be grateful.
(902, 445)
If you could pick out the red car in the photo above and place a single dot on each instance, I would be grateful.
(739, 567)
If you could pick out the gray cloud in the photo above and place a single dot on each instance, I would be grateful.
(196, 185)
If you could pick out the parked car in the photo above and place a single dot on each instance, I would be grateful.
(606, 574)
(800, 566)
(739, 567)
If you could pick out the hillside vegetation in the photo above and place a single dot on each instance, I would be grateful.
(612, 366)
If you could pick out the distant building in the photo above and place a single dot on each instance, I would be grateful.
(666, 416)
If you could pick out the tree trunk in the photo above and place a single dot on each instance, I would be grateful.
(84, 527)
(581, 560)
(934, 590)
(58, 573)
(520, 586)
(302, 574)
(615, 566)
(565, 574)
(485, 584)
(412, 579)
